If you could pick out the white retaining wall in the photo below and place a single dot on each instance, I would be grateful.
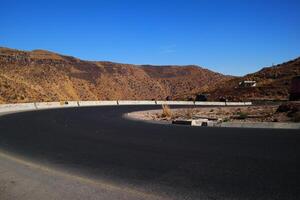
(16, 107)
(97, 103)
(207, 103)
(8, 108)
(63, 104)
(235, 103)
(126, 102)
(175, 102)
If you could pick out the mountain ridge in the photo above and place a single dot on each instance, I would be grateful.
(41, 75)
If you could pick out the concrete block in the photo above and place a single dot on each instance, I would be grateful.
(200, 122)
(194, 122)
(182, 122)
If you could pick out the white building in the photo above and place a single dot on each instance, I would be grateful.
(247, 84)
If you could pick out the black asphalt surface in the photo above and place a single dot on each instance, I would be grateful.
(179, 162)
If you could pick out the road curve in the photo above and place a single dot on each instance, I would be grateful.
(95, 153)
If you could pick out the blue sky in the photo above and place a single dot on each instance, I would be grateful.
(231, 36)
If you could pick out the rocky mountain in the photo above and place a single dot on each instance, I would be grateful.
(39, 75)
(273, 83)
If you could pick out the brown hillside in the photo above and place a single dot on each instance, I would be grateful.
(273, 83)
(184, 81)
(41, 75)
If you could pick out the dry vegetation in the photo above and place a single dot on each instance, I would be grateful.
(166, 112)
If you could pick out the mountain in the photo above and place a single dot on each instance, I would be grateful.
(273, 83)
(39, 75)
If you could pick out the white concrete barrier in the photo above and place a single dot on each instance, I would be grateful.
(209, 103)
(61, 104)
(6, 108)
(127, 102)
(69, 103)
(248, 103)
(235, 103)
(96, 103)
(175, 102)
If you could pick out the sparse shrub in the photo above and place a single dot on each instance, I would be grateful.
(296, 117)
(189, 113)
(242, 115)
(212, 110)
(225, 119)
(166, 111)
(288, 107)
(292, 111)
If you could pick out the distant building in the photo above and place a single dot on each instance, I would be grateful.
(246, 84)
(295, 89)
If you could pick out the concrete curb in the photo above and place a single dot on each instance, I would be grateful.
(277, 125)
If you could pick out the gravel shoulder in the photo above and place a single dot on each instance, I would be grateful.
(266, 116)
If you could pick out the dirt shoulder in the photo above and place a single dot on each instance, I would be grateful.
(266, 113)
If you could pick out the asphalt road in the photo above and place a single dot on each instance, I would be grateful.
(95, 153)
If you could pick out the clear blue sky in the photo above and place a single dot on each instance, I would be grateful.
(232, 37)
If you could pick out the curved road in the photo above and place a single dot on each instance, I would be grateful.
(95, 153)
